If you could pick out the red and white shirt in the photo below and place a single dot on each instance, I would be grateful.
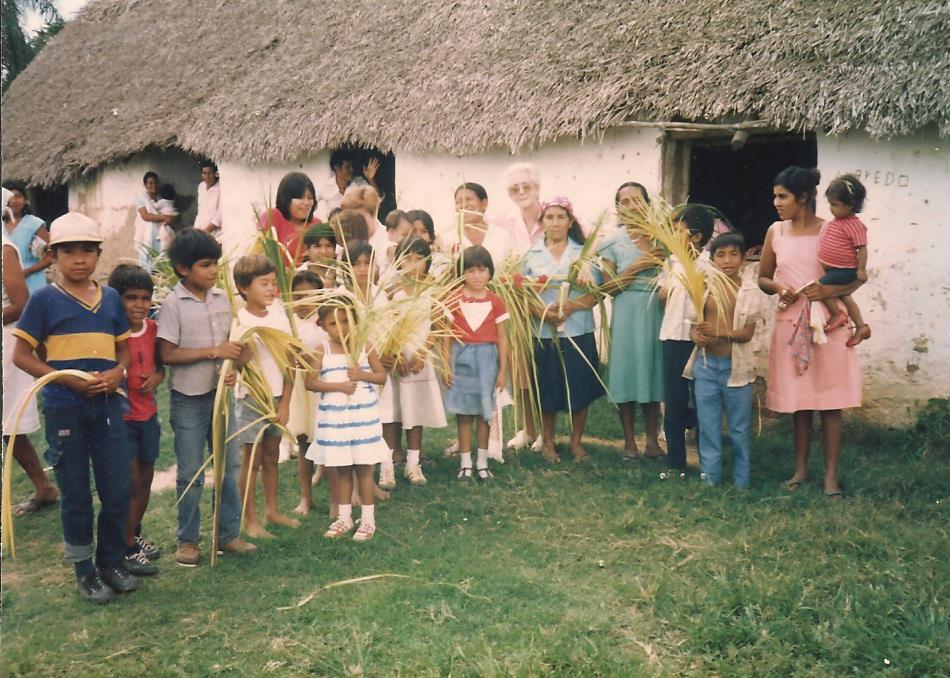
(142, 406)
(475, 321)
(838, 240)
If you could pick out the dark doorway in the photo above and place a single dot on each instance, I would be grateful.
(738, 181)
(49, 203)
(385, 176)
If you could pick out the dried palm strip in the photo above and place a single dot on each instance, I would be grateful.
(345, 582)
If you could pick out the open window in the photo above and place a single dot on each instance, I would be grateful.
(733, 173)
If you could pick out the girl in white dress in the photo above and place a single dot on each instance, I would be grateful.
(348, 436)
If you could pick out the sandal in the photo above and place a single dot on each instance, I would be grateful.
(484, 474)
(338, 529)
(841, 320)
(32, 504)
(630, 457)
(861, 333)
(465, 474)
(364, 533)
(792, 485)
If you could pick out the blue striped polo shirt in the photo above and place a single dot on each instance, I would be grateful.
(77, 336)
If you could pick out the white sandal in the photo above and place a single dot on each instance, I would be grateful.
(365, 532)
(338, 528)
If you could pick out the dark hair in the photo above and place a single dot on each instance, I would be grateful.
(339, 156)
(632, 184)
(476, 255)
(190, 246)
(477, 189)
(167, 192)
(19, 187)
(698, 219)
(426, 219)
(356, 249)
(211, 164)
(352, 225)
(306, 278)
(574, 231)
(849, 190)
(413, 244)
(335, 211)
(799, 180)
(393, 219)
(326, 309)
(728, 240)
(125, 277)
(294, 185)
(149, 175)
(315, 234)
(251, 266)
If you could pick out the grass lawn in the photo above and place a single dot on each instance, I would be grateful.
(601, 569)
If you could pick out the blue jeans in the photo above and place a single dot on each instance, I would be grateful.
(93, 431)
(712, 395)
(191, 422)
(676, 391)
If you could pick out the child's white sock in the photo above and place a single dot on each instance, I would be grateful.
(412, 457)
(466, 459)
(482, 458)
(345, 513)
(368, 515)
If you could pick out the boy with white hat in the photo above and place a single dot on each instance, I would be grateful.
(83, 326)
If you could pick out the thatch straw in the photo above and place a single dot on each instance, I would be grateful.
(784, 63)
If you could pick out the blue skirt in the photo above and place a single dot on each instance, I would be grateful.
(566, 382)
(474, 372)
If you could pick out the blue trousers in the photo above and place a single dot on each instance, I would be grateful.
(191, 421)
(712, 396)
(676, 391)
(92, 432)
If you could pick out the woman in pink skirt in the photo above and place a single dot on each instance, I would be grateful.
(805, 375)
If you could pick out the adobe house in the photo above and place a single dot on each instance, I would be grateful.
(705, 100)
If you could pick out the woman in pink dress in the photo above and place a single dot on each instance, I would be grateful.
(803, 375)
(292, 215)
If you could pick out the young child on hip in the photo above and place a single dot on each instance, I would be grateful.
(145, 373)
(416, 396)
(261, 417)
(348, 437)
(722, 365)
(76, 323)
(843, 251)
(166, 207)
(476, 359)
(303, 403)
(320, 254)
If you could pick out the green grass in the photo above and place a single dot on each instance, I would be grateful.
(601, 569)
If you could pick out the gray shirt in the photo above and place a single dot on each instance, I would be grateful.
(188, 322)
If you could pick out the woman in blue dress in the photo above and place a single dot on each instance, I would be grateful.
(635, 367)
(23, 231)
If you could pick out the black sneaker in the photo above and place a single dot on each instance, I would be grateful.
(119, 579)
(140, 566)
(93, 589)
(151, 551)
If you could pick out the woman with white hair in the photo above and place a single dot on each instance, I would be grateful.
(523, 183)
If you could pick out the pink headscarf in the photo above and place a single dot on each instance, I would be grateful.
(565, 203)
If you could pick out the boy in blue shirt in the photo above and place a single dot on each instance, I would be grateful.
(82, 325)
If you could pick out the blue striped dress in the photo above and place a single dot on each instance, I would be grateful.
(348, 429)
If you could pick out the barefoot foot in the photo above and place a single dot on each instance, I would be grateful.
(379, 493)
(280, 519)
(304, 507)
(549, 452)
(257, 531)
(653, 450)
(580, 454)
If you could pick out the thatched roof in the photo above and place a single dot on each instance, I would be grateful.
(251, 81)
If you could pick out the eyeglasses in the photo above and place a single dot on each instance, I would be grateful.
(520, 188)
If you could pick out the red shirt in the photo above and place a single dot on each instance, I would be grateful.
(475, 321)
(838, 240)
(286, 233)
(142, 406)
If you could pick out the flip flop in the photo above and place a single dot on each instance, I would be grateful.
(32, 504)
(837, 495)
(630, 457)
(792, 485)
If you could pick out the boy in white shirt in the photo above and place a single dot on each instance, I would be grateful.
(256, 281)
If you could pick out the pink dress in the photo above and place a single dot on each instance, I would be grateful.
(833, 378)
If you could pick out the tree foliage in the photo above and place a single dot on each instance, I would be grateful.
(18, 50)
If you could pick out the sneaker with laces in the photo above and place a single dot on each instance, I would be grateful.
(151, 551)
(138, 565)
(119, 579)
(365, 532)
(387, 477)
(93, 589)
(414, 475)
(186, 554)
